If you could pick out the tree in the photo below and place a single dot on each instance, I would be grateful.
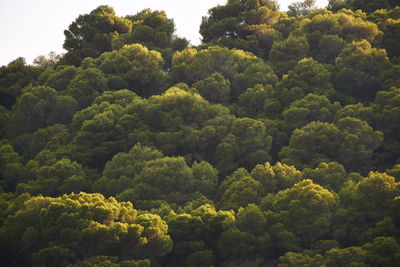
(206, 178)
(257, 73)
(377, 186)
(214, 88)
(230, 166)
(188, 233)
(330, 175)
(53, 256)
(39, 107)
(310, 108)
(131, 163)
(320, 142)
(358, 69)
(243, 25)
(329, 47)
(246, 145)
(314, 143)
(328, 32)
(154, 30)
(370, 6)
(388, 22)
(276, 177)
(58, 78)
(383, 251)
(120, 97)
(306, 209)
(55, 178)
(98, 136)
(386, 109)
(237, 66)
(86, 85)
(251, 102)
(336, 5)
(92, 34)
(172, 122)
(358, 111)
(47, 62)
(247, 243)
(12, 171)
(119, 172)
(359, 142)
(167, 179)
(5, 119)
(132, 67)
(111, 261)
(367, 204)
(241, 193)
(13, 77)
(77, 227)
(285, 54)
(308, 77)
(297, 9)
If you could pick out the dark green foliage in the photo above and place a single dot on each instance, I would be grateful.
(285, 54)
(306, 210)
(58, 78)
(388, 21)
(382, 251)
(54, 178)
(12, 171)
(244, 191)
(277, 145)
(386, 108)
(134, 67)
(351, 142)
(370, 6)
(314, 143)
(331, 175)
(79, 226)
(13, 78)
(246, 243)
(246, 25)
(327, 32)
(91, 34)
(246, 144)
(154, 30)
(358, 71)
(277, 177)
(188, 233)
(310, 108)
(39, 107)
(214, 88)
(310, 76)
(99, 136)
(102, 31)
(251, 102)
(237, 66)
(86, 86)
(119, 172)
(111, 261)
(169, 179)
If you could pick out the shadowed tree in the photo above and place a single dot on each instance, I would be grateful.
(92, 34)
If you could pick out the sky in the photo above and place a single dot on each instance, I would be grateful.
(29, 28)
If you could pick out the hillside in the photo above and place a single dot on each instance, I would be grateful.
(276, 142)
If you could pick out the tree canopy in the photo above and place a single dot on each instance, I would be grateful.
(274, 142)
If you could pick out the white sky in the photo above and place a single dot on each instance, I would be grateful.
(29, 28)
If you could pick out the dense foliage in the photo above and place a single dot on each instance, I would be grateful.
(276, 142)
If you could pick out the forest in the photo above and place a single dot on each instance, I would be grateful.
(275, 142)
